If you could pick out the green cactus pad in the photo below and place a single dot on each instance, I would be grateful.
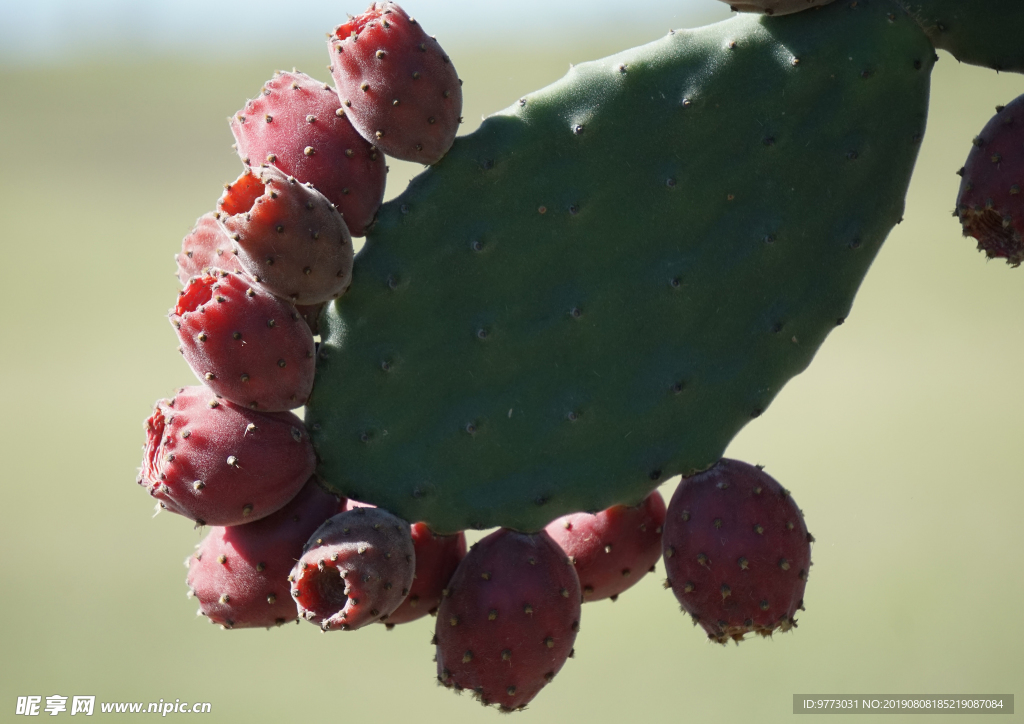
(603, 284)
(980, 32)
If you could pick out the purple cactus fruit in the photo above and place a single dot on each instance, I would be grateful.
(509, 620)
(613, 549)
(990, 204)
(737, 551)
(239, 573)
(355, 569)
(437, 557)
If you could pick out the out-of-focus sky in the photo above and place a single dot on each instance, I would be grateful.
(61, 30)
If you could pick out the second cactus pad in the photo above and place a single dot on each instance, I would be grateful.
(604, 283)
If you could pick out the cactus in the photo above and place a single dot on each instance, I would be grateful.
(981, 33)
(590, 294)
(603, 284)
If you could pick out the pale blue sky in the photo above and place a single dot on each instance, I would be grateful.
(61, 30)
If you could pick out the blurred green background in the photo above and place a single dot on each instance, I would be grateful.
(902, 443)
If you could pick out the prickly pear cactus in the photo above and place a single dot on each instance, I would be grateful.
(603, 284)
(983, 32)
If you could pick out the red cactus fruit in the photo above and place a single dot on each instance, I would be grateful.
(990, 204)
(288, 235)
(247, 345)
(220, 464)
(355, 569)
(238, 197)
(509, 619)
(239, 573)
(613, 549)
(207, 246)
(437, 557)
(737, 551)
(298, 125)
(396, 84)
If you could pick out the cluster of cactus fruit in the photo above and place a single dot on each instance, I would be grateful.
(592, 293)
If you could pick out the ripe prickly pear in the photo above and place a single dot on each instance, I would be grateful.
(613, 549)
(288, 236)
(990, 204)
(221, 464)
(249, 346)
(355, 569)
(298, 125)
(207, 246)
(437, 557)
(396, 84)
(239, 573)
(509, 619)
(737, 551)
